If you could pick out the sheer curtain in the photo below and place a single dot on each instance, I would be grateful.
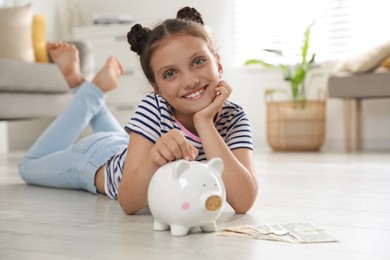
(342, 28)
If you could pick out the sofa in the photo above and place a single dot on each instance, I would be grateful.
(364, 76)
(37, 90)
(354, 88)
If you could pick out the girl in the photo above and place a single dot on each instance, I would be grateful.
(186, 117)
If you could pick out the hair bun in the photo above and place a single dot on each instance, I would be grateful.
(190, 13)
(137, 37)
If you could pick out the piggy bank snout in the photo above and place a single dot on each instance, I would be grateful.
(213, 203)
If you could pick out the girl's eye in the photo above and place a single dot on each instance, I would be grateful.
(199, 61)
(169, 74)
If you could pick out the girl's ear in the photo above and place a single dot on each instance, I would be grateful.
(219, 64)
(155, 88)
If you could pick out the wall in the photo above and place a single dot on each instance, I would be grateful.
(249, 84)
(60, 13)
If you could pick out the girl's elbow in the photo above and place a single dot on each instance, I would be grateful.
(128, 211)
(243, 206)
(128, 208)
(241, 211)
(125, 209)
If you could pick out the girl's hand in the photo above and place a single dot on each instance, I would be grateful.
(222, 91)
(172, 146)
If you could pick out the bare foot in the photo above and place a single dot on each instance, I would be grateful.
(107, 78)
(66, 56)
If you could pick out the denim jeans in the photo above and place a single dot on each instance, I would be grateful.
(58, 160)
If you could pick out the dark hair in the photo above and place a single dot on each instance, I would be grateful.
(145, 41)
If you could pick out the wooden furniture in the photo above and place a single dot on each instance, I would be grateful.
(354, 88)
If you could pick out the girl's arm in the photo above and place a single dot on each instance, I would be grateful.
(137, 173)
(142, 161)
(239, 171)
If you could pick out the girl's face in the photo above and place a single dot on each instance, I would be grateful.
(186, 73)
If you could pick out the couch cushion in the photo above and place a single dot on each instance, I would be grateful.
(16, 33)
(39, 38)
(22, 105)
(19, 76)
(369, 85)
(386, 63)
(366, 61)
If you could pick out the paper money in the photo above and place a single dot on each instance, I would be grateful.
(309, 233)
(292, 233)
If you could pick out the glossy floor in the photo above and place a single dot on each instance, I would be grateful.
(346, 194)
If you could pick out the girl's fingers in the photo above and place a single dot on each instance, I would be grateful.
(169, 151)
(221, 95)
(194, 152)
(157, 157)
(185, 148)
(176, 148)
(224, 85)
(172, 146)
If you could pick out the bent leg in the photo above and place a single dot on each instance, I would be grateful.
(52, 160)
(74, 167)
(88, 101)
(66, 128)
(104, 121)
(53, 170)
(106, 80)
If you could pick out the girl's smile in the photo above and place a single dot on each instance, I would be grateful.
(195, 94)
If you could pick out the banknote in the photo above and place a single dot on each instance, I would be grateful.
(309, 233)
(290, 232)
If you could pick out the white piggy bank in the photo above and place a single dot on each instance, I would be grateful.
(184, 194)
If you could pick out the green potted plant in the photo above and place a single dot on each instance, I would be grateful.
(297, 124)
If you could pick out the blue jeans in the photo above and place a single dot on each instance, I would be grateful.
(57, 160)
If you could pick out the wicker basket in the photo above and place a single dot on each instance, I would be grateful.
(296, 126)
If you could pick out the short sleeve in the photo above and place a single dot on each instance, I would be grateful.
(239, 133)
(147, 119)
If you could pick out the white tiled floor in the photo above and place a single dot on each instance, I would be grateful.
(346, 194)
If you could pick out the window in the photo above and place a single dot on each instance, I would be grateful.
(342, 27)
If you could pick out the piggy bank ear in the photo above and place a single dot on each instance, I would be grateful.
(217, 164)
(179, 167)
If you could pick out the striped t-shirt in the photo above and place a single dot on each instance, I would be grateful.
(154, 117)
